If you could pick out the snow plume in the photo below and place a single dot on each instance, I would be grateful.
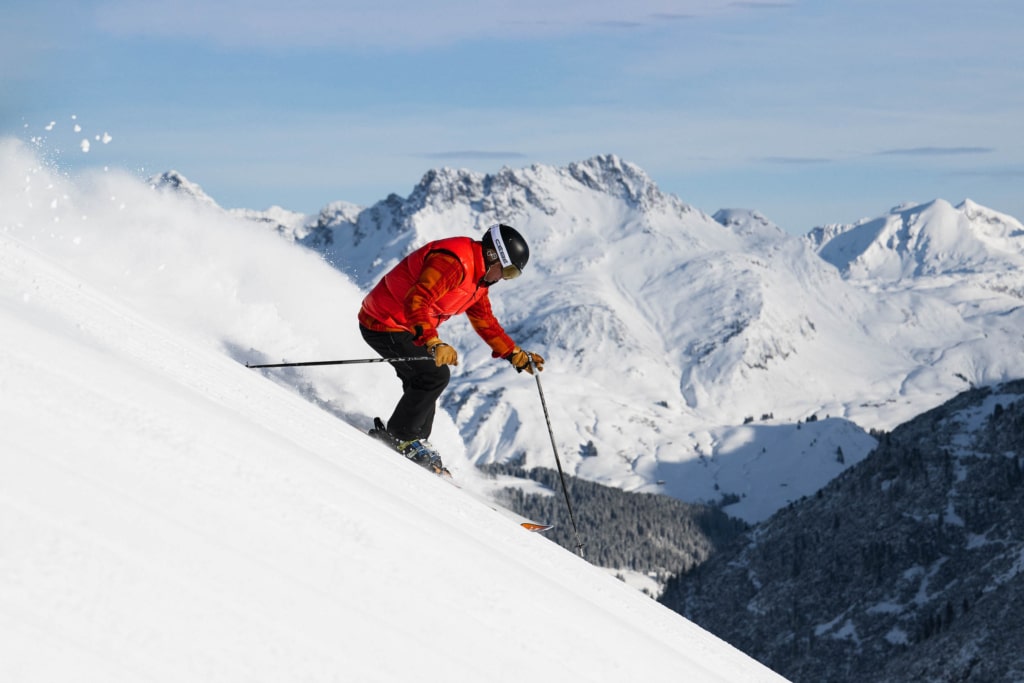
(167, 514)
(190, 266)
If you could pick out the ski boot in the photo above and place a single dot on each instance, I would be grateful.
(418, 450)
(423, 454)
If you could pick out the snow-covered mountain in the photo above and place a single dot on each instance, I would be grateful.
(687, 352)
(175, 182)
(167, 514)
(933, 240)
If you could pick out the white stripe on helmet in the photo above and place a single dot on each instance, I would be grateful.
(499, 246)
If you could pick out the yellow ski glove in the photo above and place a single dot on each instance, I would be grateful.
(520, 360)
(442, 353)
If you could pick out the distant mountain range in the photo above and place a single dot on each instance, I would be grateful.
(711, 358)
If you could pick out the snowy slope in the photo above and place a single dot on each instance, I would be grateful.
(167, 514)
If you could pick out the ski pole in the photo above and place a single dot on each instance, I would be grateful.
(561, 474)
(339, 362)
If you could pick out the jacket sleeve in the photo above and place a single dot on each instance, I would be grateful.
(441, 273)
(481, 317)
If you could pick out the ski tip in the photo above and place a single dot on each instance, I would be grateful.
(533, 526)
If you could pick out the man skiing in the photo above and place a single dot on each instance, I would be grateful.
(400, 316)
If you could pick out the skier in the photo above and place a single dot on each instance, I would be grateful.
(400, 316)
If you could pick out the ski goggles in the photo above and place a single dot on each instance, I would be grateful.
(509, 271)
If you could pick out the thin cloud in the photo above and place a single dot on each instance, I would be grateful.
(475, 154)
(936, 151)
(617, 23)
(762, 5)
(403, 24)
(673, 16)
(995, 173)
(795, 161)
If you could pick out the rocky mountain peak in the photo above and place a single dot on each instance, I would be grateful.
(611, 175)
(446, 186)
(173, 181)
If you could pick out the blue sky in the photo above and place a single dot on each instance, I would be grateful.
(811, 111)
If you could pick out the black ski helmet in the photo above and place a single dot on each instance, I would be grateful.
(511, 248)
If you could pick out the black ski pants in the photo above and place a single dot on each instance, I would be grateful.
(422, 383)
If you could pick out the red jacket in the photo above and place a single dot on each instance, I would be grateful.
(430, 285)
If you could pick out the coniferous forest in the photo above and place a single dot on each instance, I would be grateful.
(643, 532)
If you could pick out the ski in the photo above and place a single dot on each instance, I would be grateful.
(524, 522)
(423, 459)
